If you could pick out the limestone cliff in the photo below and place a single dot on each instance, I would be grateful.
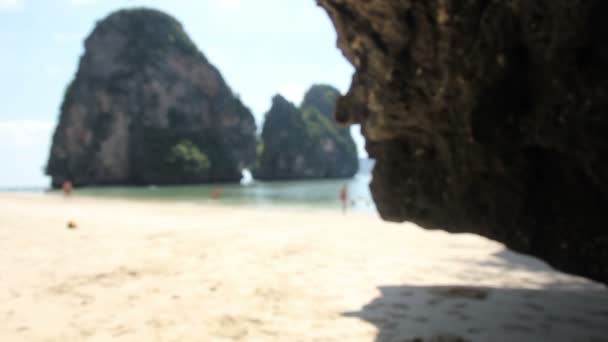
(305, 142)
(487, 117)
(147, 107)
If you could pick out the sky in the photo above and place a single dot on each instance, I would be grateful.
(261, 47)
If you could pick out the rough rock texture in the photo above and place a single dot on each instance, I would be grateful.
(487, 117)
(146, 107)
(305, 142)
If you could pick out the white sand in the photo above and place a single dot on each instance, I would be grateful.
(173, 272)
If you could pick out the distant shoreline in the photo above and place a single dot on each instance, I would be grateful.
(307, 194)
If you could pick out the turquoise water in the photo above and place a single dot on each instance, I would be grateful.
(321, 194)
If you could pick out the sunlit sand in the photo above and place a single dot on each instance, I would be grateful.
(146, 271)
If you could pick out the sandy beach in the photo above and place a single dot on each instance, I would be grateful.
(147, 271)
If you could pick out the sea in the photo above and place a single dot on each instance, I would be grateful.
(305, 194)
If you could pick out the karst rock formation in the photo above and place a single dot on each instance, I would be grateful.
(305, 142)
(487, 117)
(147, 107)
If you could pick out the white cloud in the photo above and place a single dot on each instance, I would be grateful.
(24, 148)
(63, 38)
(7, 5)
(55, 70)
(25, 133)
(230, 4)
(8, 37)
(82, 2)
(293, 92)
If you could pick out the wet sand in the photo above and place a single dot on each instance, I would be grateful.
(135, 271)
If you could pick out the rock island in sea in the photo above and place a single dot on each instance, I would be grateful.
(305, 142)
(147, 107)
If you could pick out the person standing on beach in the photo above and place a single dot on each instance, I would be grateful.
(67, 188)
(344, 197)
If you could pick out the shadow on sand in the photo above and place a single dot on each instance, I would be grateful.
(563, 309)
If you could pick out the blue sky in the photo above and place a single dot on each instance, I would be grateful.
(262, 47)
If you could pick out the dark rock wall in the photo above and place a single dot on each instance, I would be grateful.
(487, 117)
(146, 107)
(285, 143)
(305, 142)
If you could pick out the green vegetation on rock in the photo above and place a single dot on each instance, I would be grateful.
(188, 157)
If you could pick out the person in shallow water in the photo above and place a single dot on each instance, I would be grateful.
(344, 197)
(216, 193)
